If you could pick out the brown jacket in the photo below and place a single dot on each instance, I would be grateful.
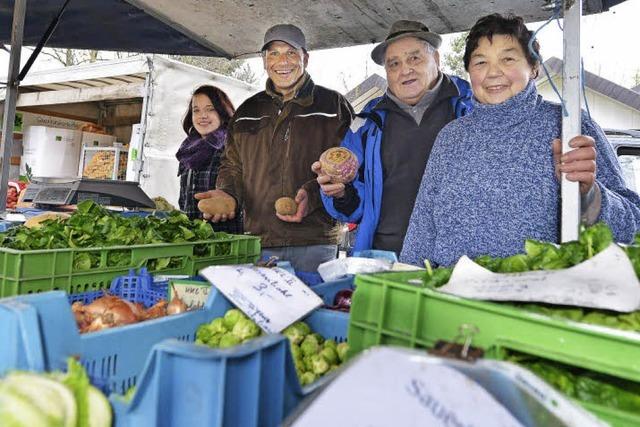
(270, 149)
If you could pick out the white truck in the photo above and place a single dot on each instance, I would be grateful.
(140, 100)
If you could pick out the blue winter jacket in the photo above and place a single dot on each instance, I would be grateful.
(364, 139)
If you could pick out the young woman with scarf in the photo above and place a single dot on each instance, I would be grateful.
(205, 124)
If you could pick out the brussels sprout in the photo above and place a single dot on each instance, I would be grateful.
(295, 351)
(217, 326)
(307, 378)
(304, 328)
(295, 332)
(214, 341)
(319, 365)
(319, 338)
(342, 349)
(245, 329)
(300, 366)
(228, 340)
(204, 333)
(330, 355)
(308, 365)
(310, 345)
(231, 317)
(329, 343)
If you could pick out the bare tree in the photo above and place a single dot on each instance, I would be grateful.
(636, 77)
(235, 68)
(68, 57)
(454, 62)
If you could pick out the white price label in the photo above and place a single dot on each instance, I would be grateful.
(606, 281)
(271, 297)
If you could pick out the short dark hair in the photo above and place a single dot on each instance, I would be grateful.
(509, 25)
(220, 101)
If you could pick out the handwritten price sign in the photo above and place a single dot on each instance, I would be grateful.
(271, 297)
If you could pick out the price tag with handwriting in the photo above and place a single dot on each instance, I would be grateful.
(606, 281)
(271, 297)
(193, 293)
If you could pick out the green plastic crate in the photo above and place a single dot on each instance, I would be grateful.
(394, 309)
(26, 272)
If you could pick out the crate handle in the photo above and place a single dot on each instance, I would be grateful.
(30, 333)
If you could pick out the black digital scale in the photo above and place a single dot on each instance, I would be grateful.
(51, 192)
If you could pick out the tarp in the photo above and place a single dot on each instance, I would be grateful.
(102, 25)
(230, 28)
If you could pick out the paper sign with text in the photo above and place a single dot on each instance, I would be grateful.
(193, 293)
(606, 281)
(387, 387)
(271, 297)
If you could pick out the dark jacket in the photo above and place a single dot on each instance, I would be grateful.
(363, 199)
(196, 181)
(270, 149)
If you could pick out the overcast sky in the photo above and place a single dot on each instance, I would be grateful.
(609, 48)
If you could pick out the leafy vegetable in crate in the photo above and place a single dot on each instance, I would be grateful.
(58, 399)
(584, 385)
(313, 355)
(548, 256)
(92, 226)
(541, 256)
(110, 311)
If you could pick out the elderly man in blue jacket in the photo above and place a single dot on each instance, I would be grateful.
(393, 137)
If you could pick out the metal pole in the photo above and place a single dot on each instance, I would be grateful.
(571, 124)
(17, 30)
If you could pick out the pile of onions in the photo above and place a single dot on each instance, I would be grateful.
(110, 311)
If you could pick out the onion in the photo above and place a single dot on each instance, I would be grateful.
(157, 310)
(100, 305)
(176, 305)
(119, 313)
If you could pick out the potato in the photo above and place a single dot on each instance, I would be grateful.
(286, 206)
(217, 205)
(340, 164)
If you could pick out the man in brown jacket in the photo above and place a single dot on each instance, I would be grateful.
(274, 136)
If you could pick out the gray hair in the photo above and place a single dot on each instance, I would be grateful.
(428, 46)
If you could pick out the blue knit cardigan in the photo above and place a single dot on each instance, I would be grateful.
(490, 184)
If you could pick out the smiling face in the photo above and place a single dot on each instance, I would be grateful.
(498, 69)
(412, 68)
(285, 65)
(205, 116)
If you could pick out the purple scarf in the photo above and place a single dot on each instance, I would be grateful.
(196, 151)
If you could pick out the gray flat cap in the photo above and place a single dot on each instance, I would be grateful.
(404, 28)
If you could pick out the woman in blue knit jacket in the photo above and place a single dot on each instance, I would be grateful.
(492, 180)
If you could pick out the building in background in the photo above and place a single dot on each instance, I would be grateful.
(611, 105)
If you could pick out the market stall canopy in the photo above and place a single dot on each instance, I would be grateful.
(233, 28)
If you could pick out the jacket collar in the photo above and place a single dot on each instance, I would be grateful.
(302, 96)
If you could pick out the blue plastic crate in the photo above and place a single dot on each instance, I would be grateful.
(254, 384)
(137, 288)
(39, 333)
